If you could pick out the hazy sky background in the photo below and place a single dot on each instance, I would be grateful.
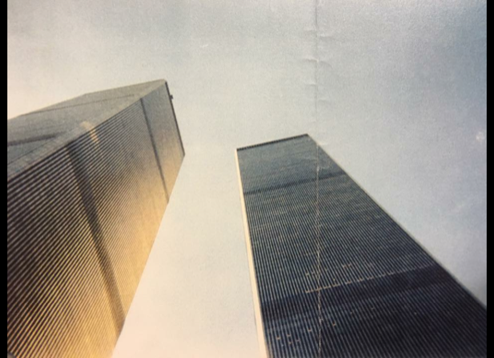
(395, 92)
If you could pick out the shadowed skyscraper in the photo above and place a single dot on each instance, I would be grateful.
(333, 275)
(88, 181)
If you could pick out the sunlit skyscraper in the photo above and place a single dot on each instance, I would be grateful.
(88, 181)
(333, 275)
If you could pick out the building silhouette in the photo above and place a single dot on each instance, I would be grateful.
(333, 275)
(88, 181)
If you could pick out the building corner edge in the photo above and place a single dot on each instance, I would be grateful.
(263, 349)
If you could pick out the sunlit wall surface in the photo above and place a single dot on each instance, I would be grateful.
(88, 182)
(334, 275)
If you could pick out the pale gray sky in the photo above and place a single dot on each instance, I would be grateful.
(393, 90)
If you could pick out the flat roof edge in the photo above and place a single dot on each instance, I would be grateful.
(32, 158)
(272, 142)
(157, 83)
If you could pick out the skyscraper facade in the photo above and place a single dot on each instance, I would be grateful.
(88, 181)
(333, 275)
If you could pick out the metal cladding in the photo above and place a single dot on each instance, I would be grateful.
(334, 276)
(88, 181)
